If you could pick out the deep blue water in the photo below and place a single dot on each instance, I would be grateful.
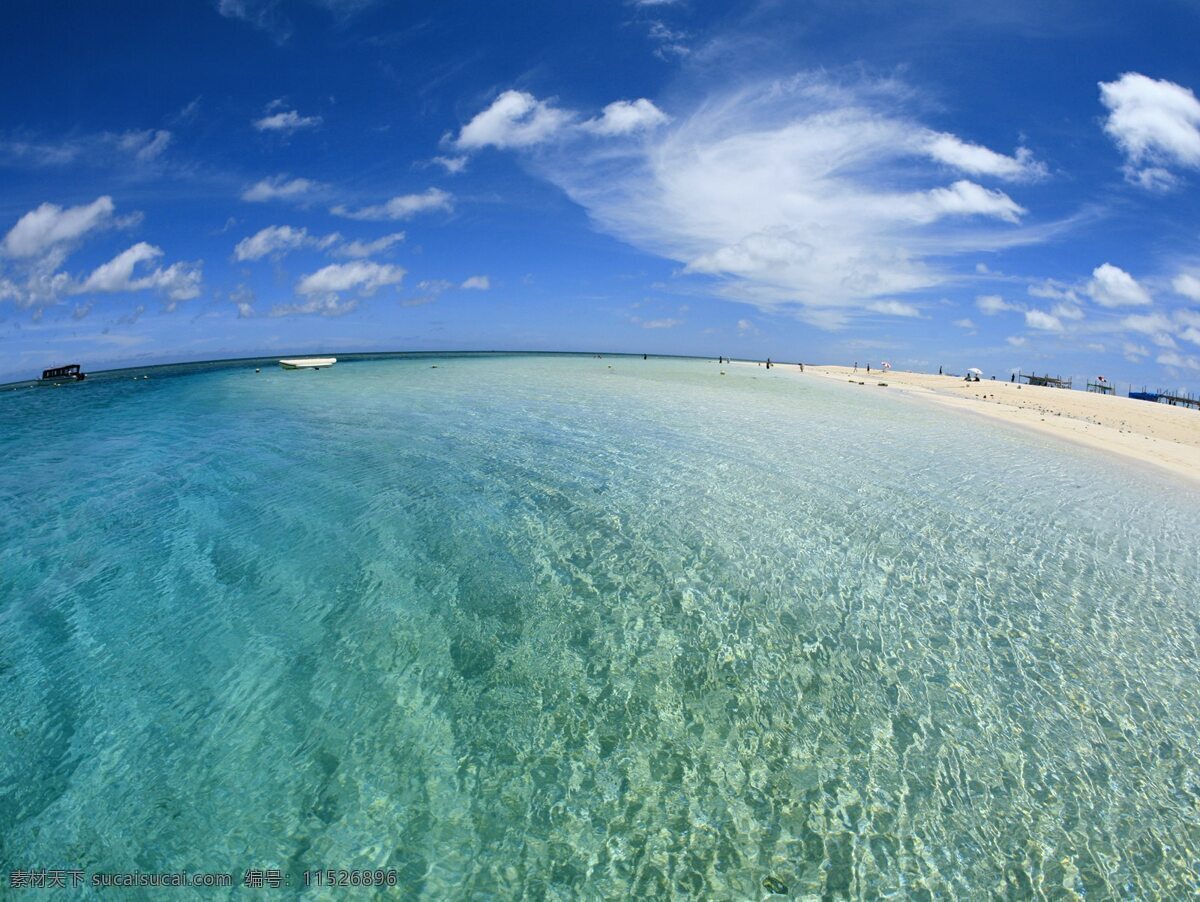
(566, 626)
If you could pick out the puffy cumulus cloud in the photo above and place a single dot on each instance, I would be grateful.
(49, 225)
(479, 283)
(1111, 286)
(979, 160)
(806, 195)
(280, 187)
(624, 116)
(1187, 285)
(894, 308)
(991, 304)
(1017, 341)
(42, 240)
(405, 206)
(286, 122)
(178, 282)
(1039, 319)
(515, 119)
(361, 276)
(964, 323)
(1155, 123)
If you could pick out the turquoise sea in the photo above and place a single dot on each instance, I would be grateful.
(564, 627)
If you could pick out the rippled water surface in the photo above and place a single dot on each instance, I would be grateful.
(563, 627)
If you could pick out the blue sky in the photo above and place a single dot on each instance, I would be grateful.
(931, 183)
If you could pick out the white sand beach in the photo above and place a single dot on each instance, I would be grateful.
(1156, 434)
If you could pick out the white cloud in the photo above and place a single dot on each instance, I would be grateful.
(271, 240)
(965, 198)
(979, 160)
(178, 282)
(1172, 358)
(369, 248)
(480, 283)
(667, 323)
(1067, 311)
(1054, 290)
(453, 165)
(280, 187)
(1111, 286)
(1187, 285)
(1016, 341)
(40, 230)
(964, 323)
(146, 145)
(515, 119)
(1156, 123)
(287, 121)
(1154, 325)
(325, 305)
(404, 206)
(1039, 319)
(796, 194)
(894, 308)
(623, 117)
(1134, 353)
(1192, 334)
(363, 276)
(991, 304)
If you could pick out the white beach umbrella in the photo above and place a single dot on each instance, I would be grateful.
(975, 371)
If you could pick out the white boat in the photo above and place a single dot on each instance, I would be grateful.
(307, 363)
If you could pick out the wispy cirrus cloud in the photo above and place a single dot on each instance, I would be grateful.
(803, 194)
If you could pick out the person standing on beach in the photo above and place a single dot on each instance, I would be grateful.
(939, 371)
(856, 366)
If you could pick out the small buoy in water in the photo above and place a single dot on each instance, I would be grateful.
(434, 367)
(722, 372)
(257, 370)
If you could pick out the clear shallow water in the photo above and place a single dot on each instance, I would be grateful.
(531, 625)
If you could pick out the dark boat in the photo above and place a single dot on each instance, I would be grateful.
(63, 374)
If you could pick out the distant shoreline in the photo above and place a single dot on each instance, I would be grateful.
(1141, 431)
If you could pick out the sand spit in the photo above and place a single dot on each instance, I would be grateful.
(1156, 434)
